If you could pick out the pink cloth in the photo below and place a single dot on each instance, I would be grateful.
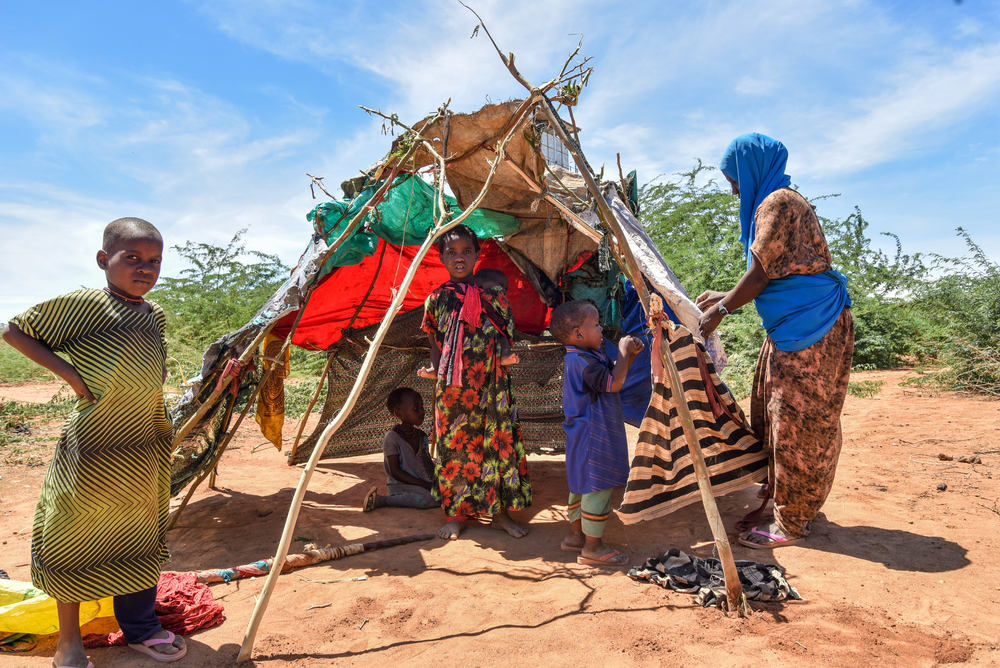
(182, 604)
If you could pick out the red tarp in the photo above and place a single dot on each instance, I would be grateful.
(336, 300)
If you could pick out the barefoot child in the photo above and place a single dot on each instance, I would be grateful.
(408, 466)
(596, 446)
(483, 464)
(100, 523)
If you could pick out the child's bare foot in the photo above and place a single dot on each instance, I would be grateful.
(451, 530)
(507, 360)
(503, 522)
(427, 372)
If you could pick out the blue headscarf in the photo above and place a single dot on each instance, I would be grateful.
(796, 310)
(757, 163)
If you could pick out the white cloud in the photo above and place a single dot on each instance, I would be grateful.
(899, 121)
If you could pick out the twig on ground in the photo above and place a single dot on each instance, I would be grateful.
(363, 624)
(942, 440)
(920, 461)
(360, 578)
(315, 607)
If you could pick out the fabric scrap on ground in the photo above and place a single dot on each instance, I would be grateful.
(704, 578)
(182, 604)
(18, 642)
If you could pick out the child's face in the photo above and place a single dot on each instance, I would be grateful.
(459, 258)
(132, 266)
(589, 334)
(411, 410)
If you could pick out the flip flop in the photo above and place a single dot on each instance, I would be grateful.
(146, 647)
(369, 502)
(776, 540)
(603, 560)
(90, 664)
(763, 492)
(569, 548)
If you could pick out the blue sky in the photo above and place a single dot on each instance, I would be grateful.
(204, 116)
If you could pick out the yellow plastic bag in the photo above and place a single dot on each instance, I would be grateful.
(24, 609)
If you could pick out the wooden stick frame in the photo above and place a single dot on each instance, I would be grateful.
(629, 266)
(440, 228)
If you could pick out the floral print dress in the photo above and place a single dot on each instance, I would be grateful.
(483, 467)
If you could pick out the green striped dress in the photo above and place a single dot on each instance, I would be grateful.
(100, 523)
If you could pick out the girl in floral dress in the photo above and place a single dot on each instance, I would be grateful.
(483, 467)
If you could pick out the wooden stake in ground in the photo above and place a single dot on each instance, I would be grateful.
(734, 590)
(293, 514)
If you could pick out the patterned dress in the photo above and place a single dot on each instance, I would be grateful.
(798, 396)
(100, 523)
(483, 467)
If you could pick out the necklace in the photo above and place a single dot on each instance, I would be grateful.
(130, 300)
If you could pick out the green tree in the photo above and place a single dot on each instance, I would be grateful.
(220, 290)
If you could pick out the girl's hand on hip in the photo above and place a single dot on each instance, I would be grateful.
(75, 381)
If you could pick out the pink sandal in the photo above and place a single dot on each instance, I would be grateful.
(146, 647)
(775, 540)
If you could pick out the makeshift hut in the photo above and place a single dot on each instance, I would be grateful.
(538, 224)
(519, 178)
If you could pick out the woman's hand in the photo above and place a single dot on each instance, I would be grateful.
(710, 320)
(709, 298)
(428, 372)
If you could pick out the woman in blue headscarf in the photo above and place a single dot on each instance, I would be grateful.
(801, 378)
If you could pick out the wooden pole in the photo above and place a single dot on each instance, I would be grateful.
(397, 302)
(210, 401)
(210, 471)
(734, 589)
(312, 402)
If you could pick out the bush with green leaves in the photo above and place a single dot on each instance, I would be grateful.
(220, 290)
(695, 224)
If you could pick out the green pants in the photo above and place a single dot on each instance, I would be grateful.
(593, 509)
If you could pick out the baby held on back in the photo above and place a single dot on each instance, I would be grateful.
(488, 280)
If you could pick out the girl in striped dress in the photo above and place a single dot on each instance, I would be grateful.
(100, 523)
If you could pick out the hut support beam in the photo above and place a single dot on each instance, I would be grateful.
(440, 228)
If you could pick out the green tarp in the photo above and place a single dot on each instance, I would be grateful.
(405, 217)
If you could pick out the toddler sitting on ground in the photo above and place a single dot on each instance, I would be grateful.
(408, 467)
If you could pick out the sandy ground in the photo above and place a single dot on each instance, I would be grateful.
(896, 573)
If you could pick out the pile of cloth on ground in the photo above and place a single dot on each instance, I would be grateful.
(704, 578)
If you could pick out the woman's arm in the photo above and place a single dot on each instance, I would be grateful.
(40, 354)
(397, 472)
(749, 286)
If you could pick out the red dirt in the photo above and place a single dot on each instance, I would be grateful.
(895, 573)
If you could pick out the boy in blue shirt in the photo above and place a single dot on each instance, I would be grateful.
(596, 445)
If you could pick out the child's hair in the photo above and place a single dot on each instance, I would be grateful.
(458, 232)
(125, 229)
(493, 276)
(395, 398)
(566, 316)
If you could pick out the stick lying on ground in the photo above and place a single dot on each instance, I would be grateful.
(313, 555)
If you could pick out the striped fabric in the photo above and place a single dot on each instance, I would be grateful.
(101, 517)
(662, 478)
